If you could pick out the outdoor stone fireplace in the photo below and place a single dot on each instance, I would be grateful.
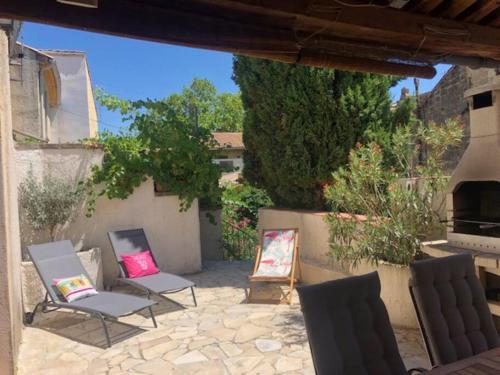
(473, 196)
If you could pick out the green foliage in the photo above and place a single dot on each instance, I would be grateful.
(396, 201)
(241, 203)
(199, 104)
(162, 143)
(301, 122)
(48, 202)
(239, 215)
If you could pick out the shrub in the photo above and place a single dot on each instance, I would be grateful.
(49, 202)
(240, 208)
(301, 122)
(398, 214)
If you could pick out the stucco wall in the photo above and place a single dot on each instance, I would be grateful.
(174, 236)
(10, 259)
(211, 236)
(317, 266)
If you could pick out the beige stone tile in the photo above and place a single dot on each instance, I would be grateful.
(249, 332)
(213, 352)
(241, 365)
(159, 349)
(154, 367)
(190, 357)
(221, 336)
(231, 349)
(196, 344)
(173, 354)
(285, 364)
(130, 363)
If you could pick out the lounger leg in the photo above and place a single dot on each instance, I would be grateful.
(152, 316)
(194, 297)
(44, 303)
(108, 340)
(29, 317)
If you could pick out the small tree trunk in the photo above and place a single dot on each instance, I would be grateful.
(53, 232)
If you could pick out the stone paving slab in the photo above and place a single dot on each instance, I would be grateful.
(223, 335)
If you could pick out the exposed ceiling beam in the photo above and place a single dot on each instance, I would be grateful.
(360, 64)
(427, 6)
(482, 9)
(385, 25)
(278, 29)
(456, 7)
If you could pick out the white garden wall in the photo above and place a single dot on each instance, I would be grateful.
(173, 235)
(317, 266)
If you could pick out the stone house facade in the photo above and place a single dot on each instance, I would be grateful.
(52, 97)
(446, 101)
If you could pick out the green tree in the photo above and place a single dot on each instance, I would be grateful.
(301, 122)
(201, 103)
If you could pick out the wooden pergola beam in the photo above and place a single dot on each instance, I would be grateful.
(174, 25)
(360, 64)
(382, 25)
(140, 21)
(278, 29)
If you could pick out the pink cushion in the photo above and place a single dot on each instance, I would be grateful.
(139, 264)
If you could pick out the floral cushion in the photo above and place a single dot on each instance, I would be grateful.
(139, 264)
(74, 288)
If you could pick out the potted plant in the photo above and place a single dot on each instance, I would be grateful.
(46, 204)
(394, 189)
(49, 202)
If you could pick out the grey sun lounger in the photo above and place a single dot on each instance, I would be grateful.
(57, 260)
(134, 240)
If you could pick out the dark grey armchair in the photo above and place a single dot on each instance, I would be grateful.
(348, 328)
(451, 308)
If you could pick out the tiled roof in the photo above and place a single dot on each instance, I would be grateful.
(229, 140)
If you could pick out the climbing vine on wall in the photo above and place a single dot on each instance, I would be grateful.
(160, 142)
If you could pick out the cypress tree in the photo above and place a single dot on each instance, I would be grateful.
(300, 123)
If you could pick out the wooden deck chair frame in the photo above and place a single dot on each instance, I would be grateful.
(290, 279)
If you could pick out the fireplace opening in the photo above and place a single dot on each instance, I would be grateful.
(476, 208)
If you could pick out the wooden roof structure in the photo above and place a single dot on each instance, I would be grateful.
(401, 37)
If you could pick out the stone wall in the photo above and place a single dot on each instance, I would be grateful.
(27, 111)
(447, 101)
(174, 236)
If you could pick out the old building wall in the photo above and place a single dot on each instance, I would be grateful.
(26, 94)
(447, 101)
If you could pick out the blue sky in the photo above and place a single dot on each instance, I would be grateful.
(136, 69)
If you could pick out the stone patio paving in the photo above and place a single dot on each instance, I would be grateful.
(223, 335)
